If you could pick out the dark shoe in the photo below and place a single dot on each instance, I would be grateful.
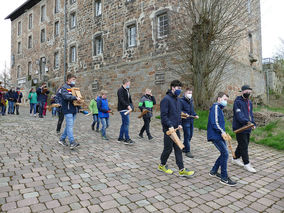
(188, 154)
(120, 140)
(183, 150)
(63, 143)
(93, 128)
(74, 145)
(150, 137)
(212, 174)
(129, 142)
(141, 135)
(105, 138)
(228, 182)
(97, 130)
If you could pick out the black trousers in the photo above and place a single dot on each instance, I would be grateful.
(168, 148)
(60, 119)
(242, 148)
(17, 109)
(146, 126)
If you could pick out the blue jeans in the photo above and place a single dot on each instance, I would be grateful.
(32, 108)
(222, 159)
(187, 133)
(104, 125)
(41, 107)
(96, 119)
(54, 111)
(11, 107)
(124, 126)
(3, 111)
(68, 131)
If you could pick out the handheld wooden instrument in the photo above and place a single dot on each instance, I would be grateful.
(248, 126)
(144, 112)
(228, 138)
(185, 115)
(173, 135)
(51, 106)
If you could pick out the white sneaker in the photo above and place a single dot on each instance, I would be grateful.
(237, 162)
(249, 168)
(34, 115)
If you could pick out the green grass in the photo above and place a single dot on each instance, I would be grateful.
(273, 109)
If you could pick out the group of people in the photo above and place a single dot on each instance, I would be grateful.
(10, 99)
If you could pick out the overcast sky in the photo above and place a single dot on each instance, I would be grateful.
(272, 28)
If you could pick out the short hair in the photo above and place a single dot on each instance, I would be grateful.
(148, 90)
(43, 83)
(125, 81)
(221, 94)
(103, 92)
(70, 75)
(188, 89)
(176, 83)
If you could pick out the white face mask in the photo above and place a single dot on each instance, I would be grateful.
(189, 96)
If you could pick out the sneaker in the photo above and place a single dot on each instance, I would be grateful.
(150, 137)
(141, 135)
(237, 162)
(120, 140)
(212, 174)
(105, 138)
(165, 169)
(185, 173)
(228, 182)
(34, 115)
(58, 132)
(129, 142)
(188, 154)
(97, 130)
(74, 145)
(63, 143)
(249, 168)
(93, 128)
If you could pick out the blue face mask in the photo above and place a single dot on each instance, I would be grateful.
(178, 92)
(72, 83)
(224, 103)
(127, 87)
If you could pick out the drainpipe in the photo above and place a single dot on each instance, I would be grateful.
(65, 40)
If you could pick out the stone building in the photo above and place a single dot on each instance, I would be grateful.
(105, 41)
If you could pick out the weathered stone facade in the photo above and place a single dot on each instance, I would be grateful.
(148, 63)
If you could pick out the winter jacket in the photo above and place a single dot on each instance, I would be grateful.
(170, 108)
(58, 97)
(242, 113)
(11, 96)
(33, 97)
(67, 100)
(41, 97)
(216, 123)
(147, 102)
(18, 96)
(187, 107)
(93, 107)
(124, 99)
(103, 107)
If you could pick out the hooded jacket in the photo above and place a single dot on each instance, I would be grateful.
(67, 100)
(187, 107)
(216, 123)
(103, 107)
(147, 102)
(170, 108)
(242, 113)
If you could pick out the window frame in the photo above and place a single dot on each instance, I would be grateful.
(56, 6)
(19, 47)
(19, 28)
(43, 13)
(96, 38)
(96, 8)
(56, 60)
(56, 28)
(73, 17)
(162, 14)
(30, 67)
(19, 69)
(30, 41)
(129, 35)
(41, 38)
(71, 54)
(30, 21)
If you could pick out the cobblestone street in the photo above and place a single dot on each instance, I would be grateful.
(39, 175)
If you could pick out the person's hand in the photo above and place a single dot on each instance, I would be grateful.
(78, 99)
(196, 116)
(129, 107)
(179, 126)
(254, 127)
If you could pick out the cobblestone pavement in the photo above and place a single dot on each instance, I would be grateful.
(39, 175)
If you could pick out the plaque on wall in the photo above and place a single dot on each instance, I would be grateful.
(159, 78)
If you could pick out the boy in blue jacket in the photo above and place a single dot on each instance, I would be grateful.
(215, 133)
(170, 108)
(103, 109)
(242, 115)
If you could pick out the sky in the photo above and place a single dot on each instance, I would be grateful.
(272, 28)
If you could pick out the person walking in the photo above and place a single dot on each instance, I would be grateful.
(33, 102)
(104, 110)
(94, 110)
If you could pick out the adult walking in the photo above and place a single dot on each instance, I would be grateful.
(33, 101)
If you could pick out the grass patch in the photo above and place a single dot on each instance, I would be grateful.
(273, 109)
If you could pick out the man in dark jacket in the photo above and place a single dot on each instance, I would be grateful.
(58, 100)
(146, 103)
(242, 116)
(69, 111)
(11, 100)
(42, 94)
(187, 107)
(170, 108)
(216, 134)
(124, 105)
(18, 97)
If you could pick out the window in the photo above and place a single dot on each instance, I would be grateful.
(29, 67)
(42, 35)
(42, 13)
(72, 1)
(98, 45)
(72, 20)
(56, 60)
(163, 25)
(30, 21)
(56, 28)
(19, 47)
(98, 7)
(30, 42)
(131, 35)
(19, 28)
(73, 54)
(56, 6)
(18, 71)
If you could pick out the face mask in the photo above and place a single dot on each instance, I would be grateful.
(177, 92)
(246, 95)
(72, 83)
(127, 87)
(224, 103)
(189, 96)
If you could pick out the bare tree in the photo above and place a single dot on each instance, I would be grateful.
(207, 38)
(5, 77)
